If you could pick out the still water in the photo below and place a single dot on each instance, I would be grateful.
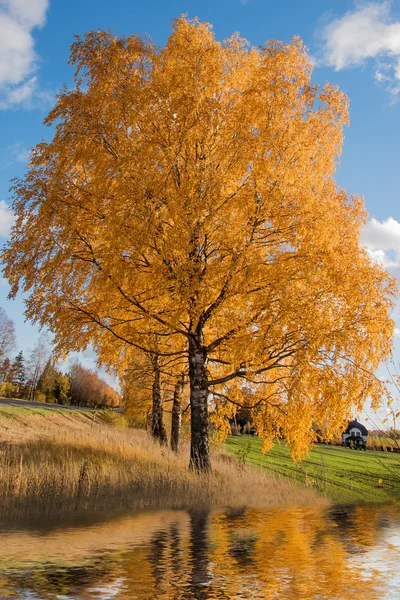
(292, 554)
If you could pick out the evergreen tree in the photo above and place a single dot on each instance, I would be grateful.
(61, 388)
(19, 374)
(54, 384)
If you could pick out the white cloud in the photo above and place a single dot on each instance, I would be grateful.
(30, 12)
(6, 219)
(386, 259)
(15, 153)
(24, 92)
(370, 31)
(19, 152)
(18, 59)
(383, 235)
(382, 240)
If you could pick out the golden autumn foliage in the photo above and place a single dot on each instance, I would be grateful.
(152, 386)
(88, 389)
(189, 191)
(297, 553)
(148, 374)
(137, 393)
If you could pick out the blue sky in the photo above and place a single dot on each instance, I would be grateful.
(353, 44)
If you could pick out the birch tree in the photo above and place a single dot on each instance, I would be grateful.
(7, 334)
(189, 191)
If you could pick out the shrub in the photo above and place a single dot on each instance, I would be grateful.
(8, 390)
(113, 418)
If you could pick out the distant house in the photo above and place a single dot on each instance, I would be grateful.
(241, 423)
(356, 435)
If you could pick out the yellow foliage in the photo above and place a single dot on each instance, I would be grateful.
(189, 192)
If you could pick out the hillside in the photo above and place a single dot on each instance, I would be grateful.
(56, 462)
(23, 423)
(342, 474)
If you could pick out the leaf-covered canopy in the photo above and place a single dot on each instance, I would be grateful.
(190, 189)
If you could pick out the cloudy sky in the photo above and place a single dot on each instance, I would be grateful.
(353, 44)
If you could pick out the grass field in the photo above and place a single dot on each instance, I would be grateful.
(342, 474)
(22, 423)
(59, 462)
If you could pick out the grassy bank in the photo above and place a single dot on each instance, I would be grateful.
(342, 474)
(54, 463)
(23, 423)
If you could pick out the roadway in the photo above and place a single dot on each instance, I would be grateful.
(28, 404)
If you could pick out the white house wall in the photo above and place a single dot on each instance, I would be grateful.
(356, 433)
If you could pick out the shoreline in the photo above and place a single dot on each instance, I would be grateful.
(50, 466)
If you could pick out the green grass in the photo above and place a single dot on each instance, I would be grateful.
(344, 475)
(21, 411)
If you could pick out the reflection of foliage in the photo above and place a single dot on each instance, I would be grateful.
(280, 554)
(53, 580)
(297, 553)
(242, 546)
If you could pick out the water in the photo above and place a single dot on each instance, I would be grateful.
(292, 554)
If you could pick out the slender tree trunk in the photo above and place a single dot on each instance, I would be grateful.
(199, 448)
(176, 415)
(157, 424)
(149, 414)
(32, 389)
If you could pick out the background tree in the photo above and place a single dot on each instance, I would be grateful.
(61, 388)
(6, 371)
(12, 377)
(7, 334)
(88, 389)
(19, 374)
(53, 384)
(150, 383)
(7, 388)
(149, 366)
(136, 384)
(36, 363)
(143, 391)
(176, 412)
(190, 191)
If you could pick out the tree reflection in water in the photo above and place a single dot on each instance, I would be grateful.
(291, 554)
(199, 555)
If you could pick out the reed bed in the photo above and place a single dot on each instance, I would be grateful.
(101, 467)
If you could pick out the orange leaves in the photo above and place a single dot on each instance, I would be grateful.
(266, 445)
(189, 191)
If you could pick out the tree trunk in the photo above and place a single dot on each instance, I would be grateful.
(199, 448)
(176, 415)
(157, 423)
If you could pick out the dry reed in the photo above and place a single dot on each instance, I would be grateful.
(101, 467)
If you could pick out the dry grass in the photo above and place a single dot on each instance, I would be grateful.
(66, 469)
(385, 442)
(20, 423)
